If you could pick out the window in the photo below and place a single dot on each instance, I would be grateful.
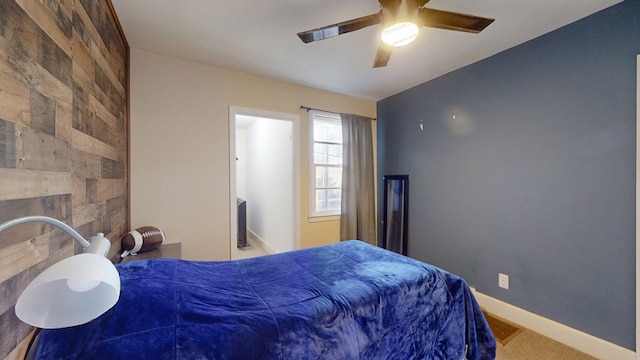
(326, 164)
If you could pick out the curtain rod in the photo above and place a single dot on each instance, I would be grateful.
(333, 112)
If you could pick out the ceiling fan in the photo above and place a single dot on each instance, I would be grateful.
(401, 21)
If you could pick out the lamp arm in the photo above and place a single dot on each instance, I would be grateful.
(51, 221)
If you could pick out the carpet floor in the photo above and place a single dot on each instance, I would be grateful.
(516, 343)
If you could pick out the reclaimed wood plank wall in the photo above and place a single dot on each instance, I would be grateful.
(63, 138)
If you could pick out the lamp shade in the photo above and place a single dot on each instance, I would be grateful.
(73, 291)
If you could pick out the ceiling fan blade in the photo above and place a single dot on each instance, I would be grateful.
(326, 32)
(383, 55)
(453, 21)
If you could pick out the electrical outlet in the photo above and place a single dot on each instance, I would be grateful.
(503, 281)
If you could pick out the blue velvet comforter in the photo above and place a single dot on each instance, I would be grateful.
(344, 301)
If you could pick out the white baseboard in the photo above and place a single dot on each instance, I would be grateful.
(261, 243)
(576, 339)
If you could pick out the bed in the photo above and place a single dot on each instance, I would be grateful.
(347, 300)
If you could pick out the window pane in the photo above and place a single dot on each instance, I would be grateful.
(328, 177)
(326, 161)
(327, 154)
(328, 200)
(327, 131)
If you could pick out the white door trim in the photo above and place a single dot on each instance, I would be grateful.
(233, 211)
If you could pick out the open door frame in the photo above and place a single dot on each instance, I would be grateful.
(233, 210)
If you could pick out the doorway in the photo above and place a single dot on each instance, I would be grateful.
(264, 176)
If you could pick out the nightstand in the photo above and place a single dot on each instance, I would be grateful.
(168, 251)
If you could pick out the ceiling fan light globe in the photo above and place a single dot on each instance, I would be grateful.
(400, 33)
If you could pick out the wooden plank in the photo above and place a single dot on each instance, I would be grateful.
(62, 12)
(8, 322)
(54, 59)
(49, 85)
(83, 80)
(13, 331)
(112, 169)
(82, 53)
(43, 113)
(103, 220)
(83, 118)
(8, 149)
(114, 131)
(106, 94)
(87, 123)
(92, 190)
(64, 120)
(85, 165)
(31, 43)
(100, 224)
(121, 146)
(110, 188)
(20, 184)
(104, 84)
(20, 257)
(50, 93)
(45, 152)
(118, 220)
(27, 73)
(101, 61)
(85, 214)
(116, 204)
(82, 87)
(86, 143)
(61, 241)
(33, 75)
(78, 192)
(20, 351)
(116, 21)
(54, 206)
(14, 98)
(22, 33)
(102, 112)
(105, 35)
(58, 28)
(66, 5)
(20, 234)
(13, 287)
(9, 293)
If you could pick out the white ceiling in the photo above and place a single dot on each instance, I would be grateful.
(259, 37)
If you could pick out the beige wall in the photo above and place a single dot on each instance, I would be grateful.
(180, 147)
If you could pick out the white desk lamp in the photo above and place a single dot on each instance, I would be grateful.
(73, 291)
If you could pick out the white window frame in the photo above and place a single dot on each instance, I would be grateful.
(313, 214)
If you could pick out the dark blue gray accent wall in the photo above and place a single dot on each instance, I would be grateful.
(526, 166)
